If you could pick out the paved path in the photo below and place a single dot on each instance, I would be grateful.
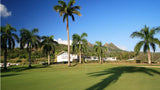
(150, 66)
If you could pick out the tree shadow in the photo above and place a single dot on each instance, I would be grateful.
(74, 65)
(23, 68)
(116, 72)
(7, 75)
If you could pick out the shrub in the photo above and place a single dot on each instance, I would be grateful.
(13, 55)
(18, 61)
(83, 60)
(92, 61)
(22, 56)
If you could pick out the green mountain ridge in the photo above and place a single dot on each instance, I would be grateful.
(110, 46)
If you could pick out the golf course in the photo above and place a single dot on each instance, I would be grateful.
(80, 45)
(82, 77)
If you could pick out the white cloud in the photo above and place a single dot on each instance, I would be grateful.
(122, 47)
(65, 42)
(4, 12)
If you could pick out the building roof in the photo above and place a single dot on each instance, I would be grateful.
(60, 53)
(63, 52)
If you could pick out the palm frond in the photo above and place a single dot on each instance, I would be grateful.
(75, 7)
(48, 44)
(99, 43)
(153, 46)
(62, 3)
(9, 27)
(71, 3)
(145, 48)
(84, 41)
(2, 30)
(64, 17)
(16, 37)
(61, 13)
(76, 12)
(44, 37)
(157, 29)
(11, 42)
(152, 32)
(156, 40)
(57, 8)
(8, 37)
(55, 42)
(84, 35)
(52, 36)
(35, 30)
(137, 34)
(72, 17)
(138, 47)
(76, 37)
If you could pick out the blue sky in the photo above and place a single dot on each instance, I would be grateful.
(103, 20)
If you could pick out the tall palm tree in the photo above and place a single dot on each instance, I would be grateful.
(65, 11)
(8, 40)
(148, 40)
(79, 42)
(48, 45)
(30, 40)
(99, 49)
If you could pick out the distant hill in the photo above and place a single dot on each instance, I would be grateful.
(111, 46)
(90, 45)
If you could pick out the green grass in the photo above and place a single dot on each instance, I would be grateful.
(81, 77)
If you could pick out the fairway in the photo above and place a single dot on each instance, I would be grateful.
(82, 77)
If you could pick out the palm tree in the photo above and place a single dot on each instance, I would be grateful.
(48, 45)
(79, 42)
(8, 40)
(148, 40)
(30, 40)
(99, 49)
(65, 11)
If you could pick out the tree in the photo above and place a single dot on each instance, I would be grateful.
(99, 49)
(65, 11)
(29, 40)
(8, 40)
(80, 43)
(148, 40)
(48, 45)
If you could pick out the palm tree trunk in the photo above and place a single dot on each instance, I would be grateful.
(48, 59)
(80, 56)
(100, 60)
(68, 44)
(30, 58)
(5, 58)
(149, 57)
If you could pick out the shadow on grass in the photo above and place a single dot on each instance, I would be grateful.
(7, 75)
(23, 68)
(74, 65)
(116, 72)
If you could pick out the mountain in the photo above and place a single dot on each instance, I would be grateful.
(112, 47)
(90, 45)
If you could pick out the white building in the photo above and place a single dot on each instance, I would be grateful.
(63, 57)
(96, 58)
(91, 58)
(131, 59)
(9, 64)
(110, 59)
